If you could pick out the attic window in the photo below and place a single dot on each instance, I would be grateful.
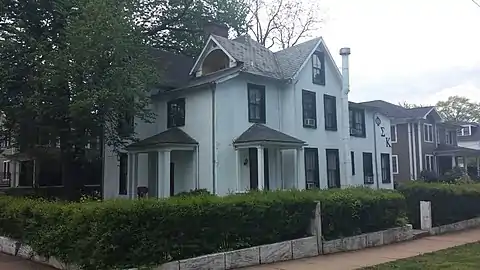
(318, 68)
(215, 61)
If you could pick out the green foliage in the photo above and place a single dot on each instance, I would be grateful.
(124, 233)
(450, 202)
(194, 192)
(459, 109)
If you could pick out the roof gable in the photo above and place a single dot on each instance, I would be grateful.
(262, 133)
(210, 45)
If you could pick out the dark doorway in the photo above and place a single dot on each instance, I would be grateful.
(253, 161)
(172, 179)
(26, 173)
(445, 164)
(333, 168)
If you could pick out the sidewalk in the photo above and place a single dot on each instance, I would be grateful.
(8, 262)
(377, 255)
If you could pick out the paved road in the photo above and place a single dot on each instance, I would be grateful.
(378, 255)
(8, 262)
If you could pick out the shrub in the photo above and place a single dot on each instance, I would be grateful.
(194, 192)
(450, 202)
(429, 176)
(124, 233)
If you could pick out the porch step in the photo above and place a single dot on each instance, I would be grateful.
(420, 234)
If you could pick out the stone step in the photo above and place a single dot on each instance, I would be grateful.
(420, 234)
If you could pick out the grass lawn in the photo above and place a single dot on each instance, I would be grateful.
(459, 258)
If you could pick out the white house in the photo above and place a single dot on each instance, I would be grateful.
(243, 117)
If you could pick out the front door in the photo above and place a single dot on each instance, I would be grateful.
(444, 164)
(253, 161)
(333, 168)
(172, 179)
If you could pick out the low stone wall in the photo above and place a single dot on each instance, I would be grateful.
(457, 226)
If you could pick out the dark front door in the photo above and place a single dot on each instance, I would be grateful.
(253, 161)
(26, 173)
(172, 179)
(445, 164)
(333, 168)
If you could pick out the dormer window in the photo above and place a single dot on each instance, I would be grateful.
(465, 131)
(216, 60)
(318, 68)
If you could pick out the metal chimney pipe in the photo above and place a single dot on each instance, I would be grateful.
(345, 52)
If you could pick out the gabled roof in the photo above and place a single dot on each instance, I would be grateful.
(261, 133)
(399, 112)
(421, 112)
(173, 68)
(169, 136)
(450, 149)
(290, 60)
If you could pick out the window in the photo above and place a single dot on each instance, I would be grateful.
(256, 103)
(357, 122)
(318, 68)
(176, 113)
(393, 133)
(333, 168)
(395, 164)
(449, 135)
(126, 124)
(367, 168)
(385, 160)
(330, 107)
(352, 157)
(309, 105)
(464, 131)
(428, 132)
(6, 170)
(311, 168)
(123, 174)
(429, 163)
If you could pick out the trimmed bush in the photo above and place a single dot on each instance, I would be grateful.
(450, 202)
(124, 233)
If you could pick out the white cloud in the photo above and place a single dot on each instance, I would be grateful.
(468, 90)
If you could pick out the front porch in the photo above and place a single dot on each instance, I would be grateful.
(260, 155)
(172, 165)
(449, 157)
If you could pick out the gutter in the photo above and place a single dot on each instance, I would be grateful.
(214, 152)
(409, 134)
(375, 149)
(420, 154)
(414, 150)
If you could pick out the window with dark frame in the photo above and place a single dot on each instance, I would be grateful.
(256, 103)
(352, 157)
(429, 163)
(176, 113)
(385, 164)
(6, 170)
(333, 168)
(126, 124)
(330, 109)
(318, 68)
(393, 133)
(367, 168)
(123, 174)
(357, 122)
(312, 179)
(309, 107)
(395, 164)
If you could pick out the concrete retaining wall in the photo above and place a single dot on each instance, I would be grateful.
(457, 226)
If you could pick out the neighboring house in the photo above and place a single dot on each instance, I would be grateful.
(422, 141)
(242, 117)
(469, 135)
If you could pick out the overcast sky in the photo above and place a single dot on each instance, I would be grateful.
(419, 51)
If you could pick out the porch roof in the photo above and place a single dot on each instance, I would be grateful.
(444, 149)
(258, 133)
(167, 137)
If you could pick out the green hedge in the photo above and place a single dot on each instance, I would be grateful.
(123, 233)
(450, 202)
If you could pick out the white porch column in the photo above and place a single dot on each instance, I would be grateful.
(295, 169)
(301, 169)
(195, 168)
(135, 175)
(278, 162)
(165, 174)
(238, 168)
(454, 163)
(261, 168)
(478, 166)
(130, 175)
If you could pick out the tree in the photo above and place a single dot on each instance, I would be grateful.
(177, 25)
(459, 109)
(407, 105)
(70, 71)
(282, 23)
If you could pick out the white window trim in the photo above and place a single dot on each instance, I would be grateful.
(425, 135)
(396, 134)
(432, 161)
(396, 159)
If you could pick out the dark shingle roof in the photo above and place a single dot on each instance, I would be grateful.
(420, 111)
(174, 69)
(169, 136)
(291, 59)
(262, 133)
(442, 148)
(396, 111)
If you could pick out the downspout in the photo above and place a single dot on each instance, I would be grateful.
(214, 144)
(420, 154)
(345, 52)
(414, 148)
(409, 134)
(375, 150)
